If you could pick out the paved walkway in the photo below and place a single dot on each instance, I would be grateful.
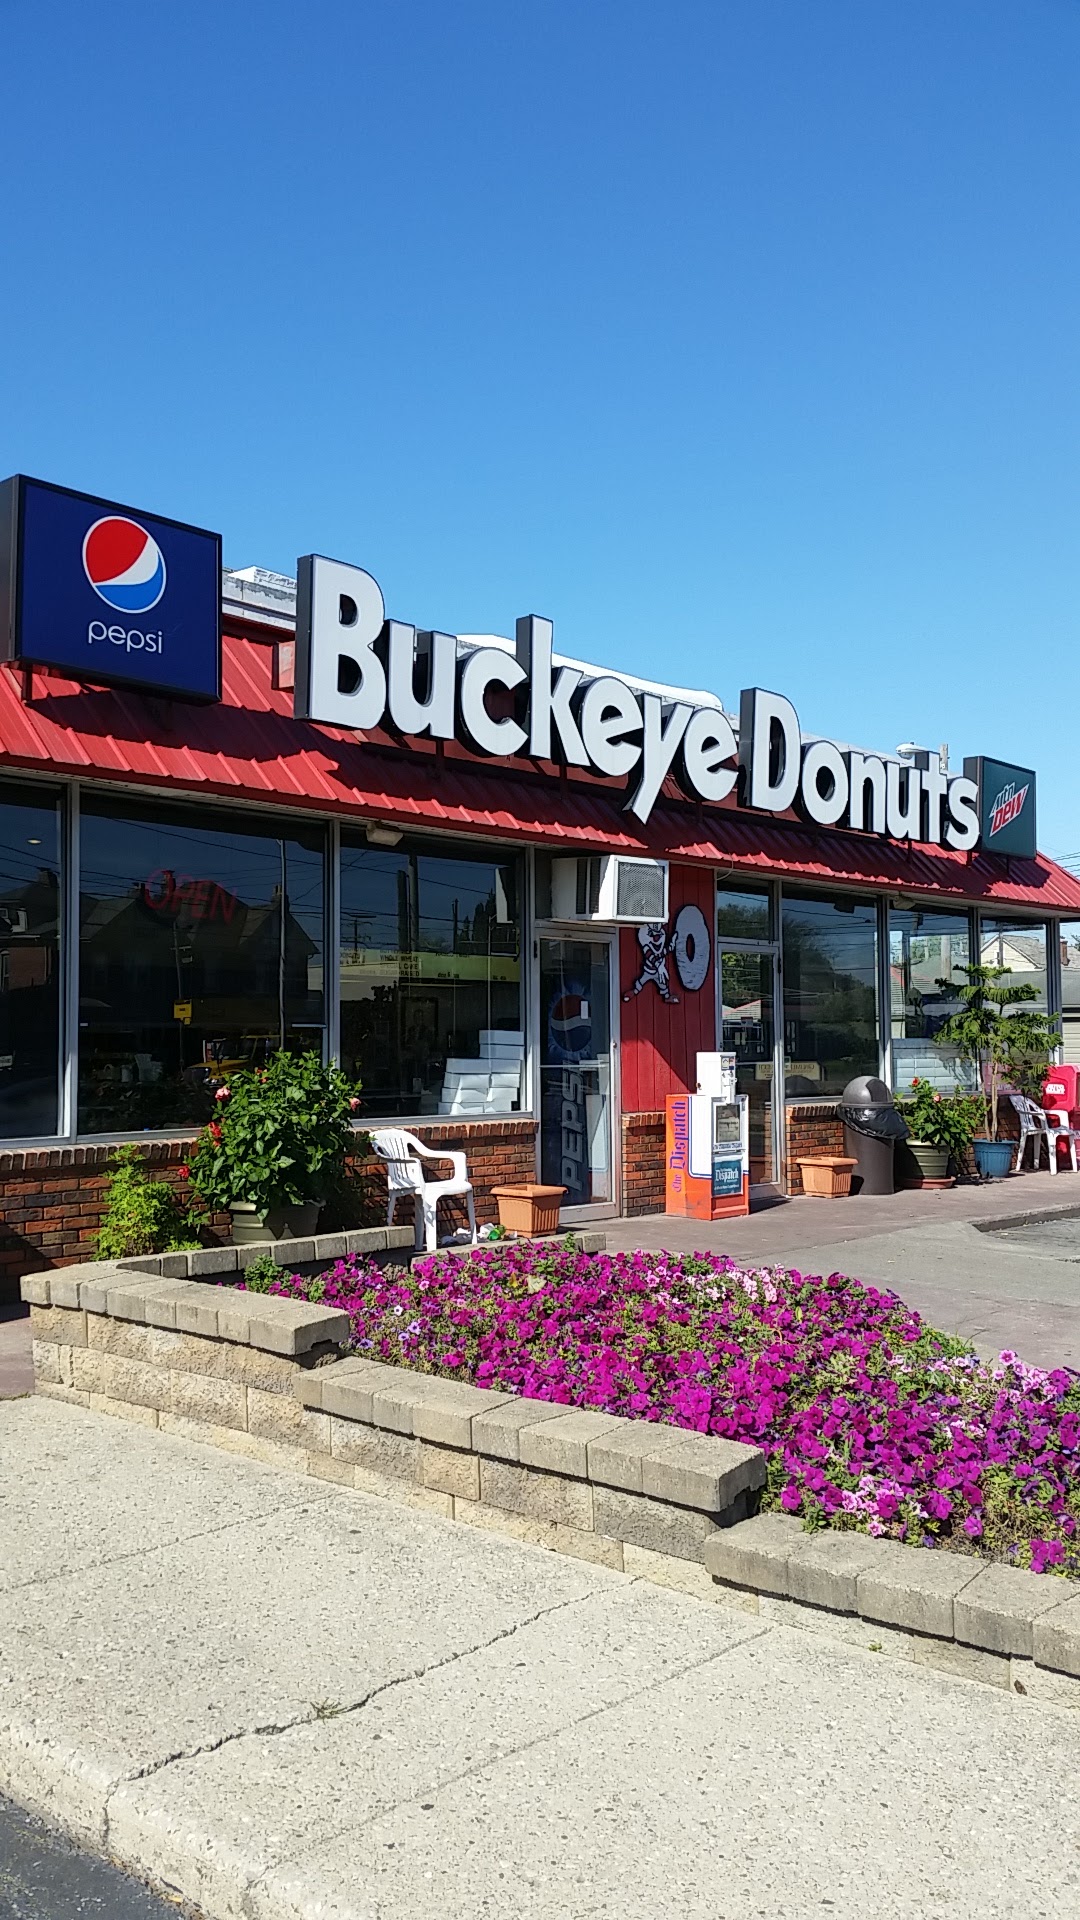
(287, 1700)
(16, 1363)
(1019, 1289)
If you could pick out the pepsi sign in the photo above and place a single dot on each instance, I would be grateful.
(108, 594)
(1006, 806)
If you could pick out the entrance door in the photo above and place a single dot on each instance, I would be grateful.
(576, 1085)
(749, 1032)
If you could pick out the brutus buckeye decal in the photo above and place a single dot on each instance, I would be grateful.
(689, 942)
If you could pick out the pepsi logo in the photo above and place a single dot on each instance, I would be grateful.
(569, 1026)
(124, 564)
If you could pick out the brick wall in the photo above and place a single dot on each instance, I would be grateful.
(51, 1198)
(814, 1128)
(643, 1163)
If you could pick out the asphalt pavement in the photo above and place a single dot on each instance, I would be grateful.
(44, 1877)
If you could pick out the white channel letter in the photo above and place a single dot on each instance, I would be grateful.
(824, 783)
(340, 613)
(865, 770)
(962, 829)
(489, 667)
(661, 744)
(532, 647)
(759, 714)
(708, 746)
(435, 714)
(903, 800)
(935, 787)
(608, 712)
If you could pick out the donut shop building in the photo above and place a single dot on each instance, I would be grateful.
(515, 894)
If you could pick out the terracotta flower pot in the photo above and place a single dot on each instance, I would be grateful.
(529, 1208)
(828, 1178)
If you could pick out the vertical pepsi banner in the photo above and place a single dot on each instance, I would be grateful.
(107, 593)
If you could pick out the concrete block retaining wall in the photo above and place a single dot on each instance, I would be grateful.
(268, 1377)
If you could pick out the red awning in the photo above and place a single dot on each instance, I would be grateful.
(250, 747)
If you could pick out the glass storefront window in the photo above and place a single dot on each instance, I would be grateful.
(1019, 945)
(928, 952)
(742, 913)
(29, 962)
(201, 949)
(830, 993)
(430, 968)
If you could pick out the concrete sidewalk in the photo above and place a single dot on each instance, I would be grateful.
(292, 1702)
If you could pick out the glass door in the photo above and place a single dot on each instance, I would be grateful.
(576, 1080)
(748, 1030)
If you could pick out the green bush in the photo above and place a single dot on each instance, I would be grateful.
(260, 1274)
(281, 1136)
(141, 1215)
(947, 1120)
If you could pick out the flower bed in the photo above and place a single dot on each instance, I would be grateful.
(871, 1420)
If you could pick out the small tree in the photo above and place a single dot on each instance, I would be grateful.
(1007, 1040)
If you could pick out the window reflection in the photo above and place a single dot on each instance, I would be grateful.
(742, 913)
(431, 1015)
(201, 950)
(928, 952)
(1019, 945)
(29, 962)
(830, 992)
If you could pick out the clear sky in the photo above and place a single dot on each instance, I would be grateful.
(741, 338)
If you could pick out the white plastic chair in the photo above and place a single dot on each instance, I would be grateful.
(402, 1154)
(1037, 1125)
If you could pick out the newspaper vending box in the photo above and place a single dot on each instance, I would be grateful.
(707, 1161)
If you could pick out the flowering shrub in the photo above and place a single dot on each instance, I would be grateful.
(281, 1135)
(870, 1420)
(943, 1120)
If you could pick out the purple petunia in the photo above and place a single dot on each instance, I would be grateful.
(869, 1418)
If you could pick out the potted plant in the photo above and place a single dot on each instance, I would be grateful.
(278, 1146)
(941, 1129)
(1006, 1040)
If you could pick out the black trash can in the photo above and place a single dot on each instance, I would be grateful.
(872, 1128)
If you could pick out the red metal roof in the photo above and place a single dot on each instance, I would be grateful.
(251, 747)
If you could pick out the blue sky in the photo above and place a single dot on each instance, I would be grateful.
(740, 338)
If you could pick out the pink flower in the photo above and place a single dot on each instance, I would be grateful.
(354, 1105)
(222, 1093)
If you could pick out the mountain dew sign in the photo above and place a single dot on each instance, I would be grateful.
(1006, 807)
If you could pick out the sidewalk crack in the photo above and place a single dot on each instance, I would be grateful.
(715, 1657)
(269, 1728)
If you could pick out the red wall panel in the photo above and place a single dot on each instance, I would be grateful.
(660, 1038)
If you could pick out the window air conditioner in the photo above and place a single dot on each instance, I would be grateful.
(610, 888)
